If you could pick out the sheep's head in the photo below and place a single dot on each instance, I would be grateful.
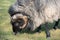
(20, 20)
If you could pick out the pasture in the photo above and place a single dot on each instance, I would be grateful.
(6, 28)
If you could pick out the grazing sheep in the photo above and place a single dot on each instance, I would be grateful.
(36, 13)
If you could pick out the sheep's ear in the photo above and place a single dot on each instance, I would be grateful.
(13, 18)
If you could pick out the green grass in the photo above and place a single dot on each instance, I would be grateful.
(6, 28)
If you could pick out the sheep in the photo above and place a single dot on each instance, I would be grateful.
(37, 12)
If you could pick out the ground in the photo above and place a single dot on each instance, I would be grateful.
(6, 28)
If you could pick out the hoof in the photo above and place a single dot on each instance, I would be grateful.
(55, 28)
(48, 38)
(15, 33)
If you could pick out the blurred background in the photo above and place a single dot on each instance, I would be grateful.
(6, 28)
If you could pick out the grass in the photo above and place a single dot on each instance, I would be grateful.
(6, 29)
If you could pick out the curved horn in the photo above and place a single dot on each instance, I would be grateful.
(25, 20)
(16, 16)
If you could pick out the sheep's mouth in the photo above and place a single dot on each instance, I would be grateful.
(21, 21)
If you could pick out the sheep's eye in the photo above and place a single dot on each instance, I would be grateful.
(17, 24)
(21, 22)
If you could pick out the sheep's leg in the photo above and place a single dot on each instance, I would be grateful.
(47, 31)
(56, 24)
(38, 29)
